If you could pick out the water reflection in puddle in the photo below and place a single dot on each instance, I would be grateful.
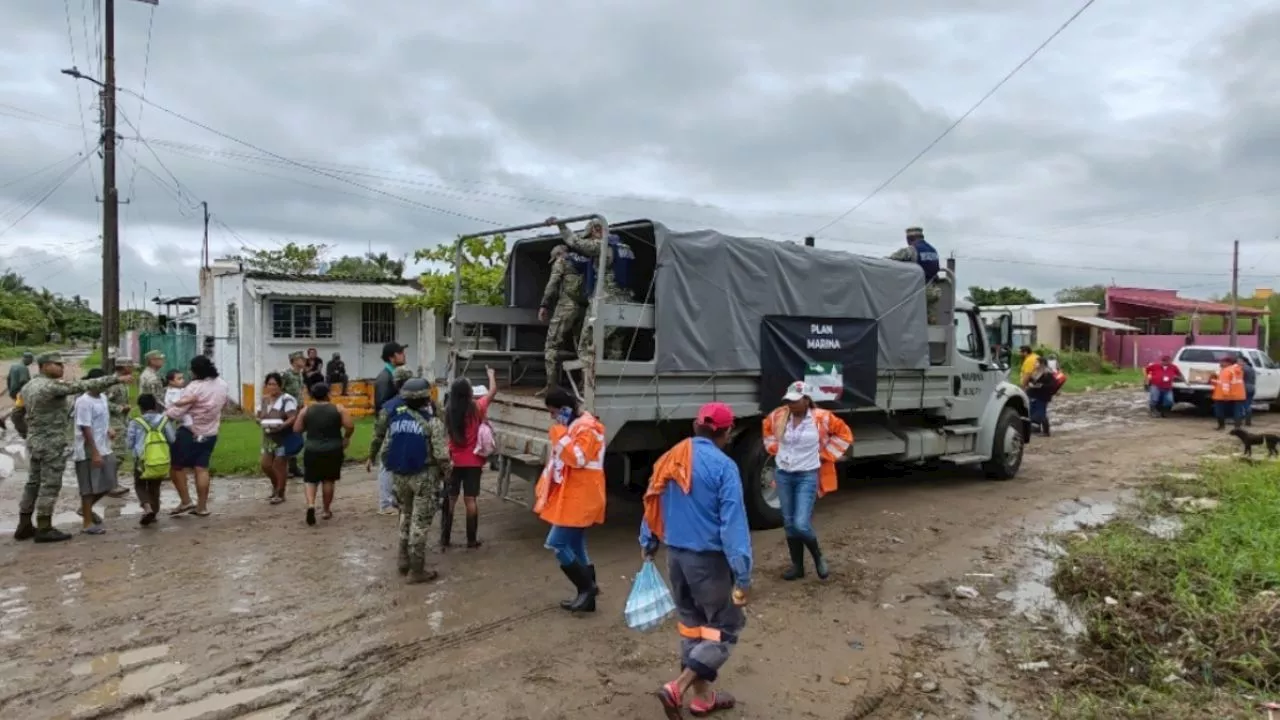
(13, 608)
(113, 662)
(1034, 598)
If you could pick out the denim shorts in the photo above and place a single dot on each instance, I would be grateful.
(190, 453)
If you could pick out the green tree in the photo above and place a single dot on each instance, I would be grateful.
(292, 259)
(1004, 296)
(21, 318)
(137, 320)
(373, 266)
(483, 267)
(1082, 293)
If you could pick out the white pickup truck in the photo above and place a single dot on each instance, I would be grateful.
(1198, 362)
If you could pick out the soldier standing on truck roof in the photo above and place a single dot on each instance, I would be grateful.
(617, 282)
(922, 253)
(561, 308)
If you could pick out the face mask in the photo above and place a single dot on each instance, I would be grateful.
(564, 416)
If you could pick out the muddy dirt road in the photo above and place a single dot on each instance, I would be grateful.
(251, 614)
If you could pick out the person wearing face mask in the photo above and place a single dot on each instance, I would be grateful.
(570, 494)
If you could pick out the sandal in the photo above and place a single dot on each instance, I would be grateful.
(276, 500)
(201, 513)
(182, 510)
(326, 515)
(719, 701)
(670, 697)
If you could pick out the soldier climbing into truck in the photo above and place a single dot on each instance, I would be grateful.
(920, 252)
(563, 300)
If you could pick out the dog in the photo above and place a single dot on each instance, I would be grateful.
(1250, 440)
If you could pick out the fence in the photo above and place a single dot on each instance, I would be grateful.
(178, 349)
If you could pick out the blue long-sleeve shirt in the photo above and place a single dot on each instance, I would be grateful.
(1250, 375)
(136, 435)
(712, 517)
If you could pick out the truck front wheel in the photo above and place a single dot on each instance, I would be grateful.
(1006, 447)
(759, 493)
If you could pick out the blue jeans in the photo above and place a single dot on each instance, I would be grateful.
(1039, 411)
(386, 491)
(1246, 411)
(1228, 410)
(1158, 399)
(797, 492)
(569, 544)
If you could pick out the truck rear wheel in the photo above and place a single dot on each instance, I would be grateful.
(1006, 447)
(759, 493)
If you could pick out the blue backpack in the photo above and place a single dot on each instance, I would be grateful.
(408, 442)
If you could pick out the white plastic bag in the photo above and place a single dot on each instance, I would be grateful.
(650, 601)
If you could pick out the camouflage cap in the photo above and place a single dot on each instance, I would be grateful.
(416, 389)
(153, 355)
(296, 355)
(915, 232)
(401, 374)
(594, 223)
(50, 357)
(122, 361)
(558, 251)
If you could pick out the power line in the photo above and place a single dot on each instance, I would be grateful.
(41, 171)
(66, 175)
(84, 130)
(146, 72)
(1016, 69)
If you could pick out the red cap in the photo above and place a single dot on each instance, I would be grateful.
(715, 415)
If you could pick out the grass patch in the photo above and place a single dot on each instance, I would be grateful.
(239, 447)
(13, 352)
(1080, 382)
(1192, 623)
(92, 360)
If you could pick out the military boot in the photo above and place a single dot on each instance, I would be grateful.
(26, 530)
(796, 548)
(402, 560)
(47, 533)
(417, 571)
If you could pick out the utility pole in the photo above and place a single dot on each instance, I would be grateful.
(205, 246)
(110, 200)
(1235, 288)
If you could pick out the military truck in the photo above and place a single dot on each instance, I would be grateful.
(721, 318)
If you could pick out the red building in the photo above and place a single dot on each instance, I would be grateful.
(1154, 313)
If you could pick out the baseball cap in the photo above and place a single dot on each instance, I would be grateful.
(797, 390)
(390, 349)
(715, 415)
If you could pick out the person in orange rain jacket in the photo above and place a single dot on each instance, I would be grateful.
(806, 442)
(694, 505)
(1228, 392)
(570, 494)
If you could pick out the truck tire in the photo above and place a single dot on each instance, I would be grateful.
(756, 467)
(1006, 447)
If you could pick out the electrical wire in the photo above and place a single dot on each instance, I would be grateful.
(1016, 69)
(146, 73)
(84, 130)
(41, 171)
(62, 179)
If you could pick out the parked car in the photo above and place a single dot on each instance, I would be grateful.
(1198, 362)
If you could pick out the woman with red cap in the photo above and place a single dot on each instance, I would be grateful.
(806, 442)
(694, 505)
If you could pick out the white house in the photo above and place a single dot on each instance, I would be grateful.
(253, 321)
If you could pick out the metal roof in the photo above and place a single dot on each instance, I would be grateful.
(1098, 322)
(1168, 301)
(328, 289)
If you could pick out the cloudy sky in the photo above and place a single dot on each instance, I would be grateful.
(1133, 149)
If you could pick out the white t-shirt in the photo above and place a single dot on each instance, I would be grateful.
(799, 451)
(91, 412)
(171, 396)
(284, 403)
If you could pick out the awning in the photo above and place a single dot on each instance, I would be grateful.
(328, 290)
(1101, 323)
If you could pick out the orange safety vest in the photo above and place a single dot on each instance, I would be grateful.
(1228, 384)
(675, 465)
(571, 490)
(834, 440)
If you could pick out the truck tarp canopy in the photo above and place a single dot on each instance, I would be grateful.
(713, 291)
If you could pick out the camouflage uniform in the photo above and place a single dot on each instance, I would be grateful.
(150, 382)
(377, 450)
(563, 298)
(614, 337)
(932, 292)
(49, 429)
(419, 494)
(293, 385)
(118, 408)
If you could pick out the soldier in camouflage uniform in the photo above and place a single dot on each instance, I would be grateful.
(150, 382)
(561, 308)
(118, 406)
(419, 494)
(294, 385)
(588, 245)
(922, 253)
(49, 428)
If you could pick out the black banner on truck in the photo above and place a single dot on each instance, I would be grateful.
(836, 356)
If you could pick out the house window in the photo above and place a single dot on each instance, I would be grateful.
(301, 320)
(378, 323)
(233, 323)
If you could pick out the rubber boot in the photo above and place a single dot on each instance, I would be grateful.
(591, 573)
(796, 571)
(47, 533)
(1248, 421)
(402, 559)
(1044, 427)
(26, 530)
(473, 529)
(820, 563)
(585, 600)
(418, 573)
(1222, 424)
(446, 525)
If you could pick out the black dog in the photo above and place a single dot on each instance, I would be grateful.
(1250, 440)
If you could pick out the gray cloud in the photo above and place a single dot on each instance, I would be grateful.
(1136, 143)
